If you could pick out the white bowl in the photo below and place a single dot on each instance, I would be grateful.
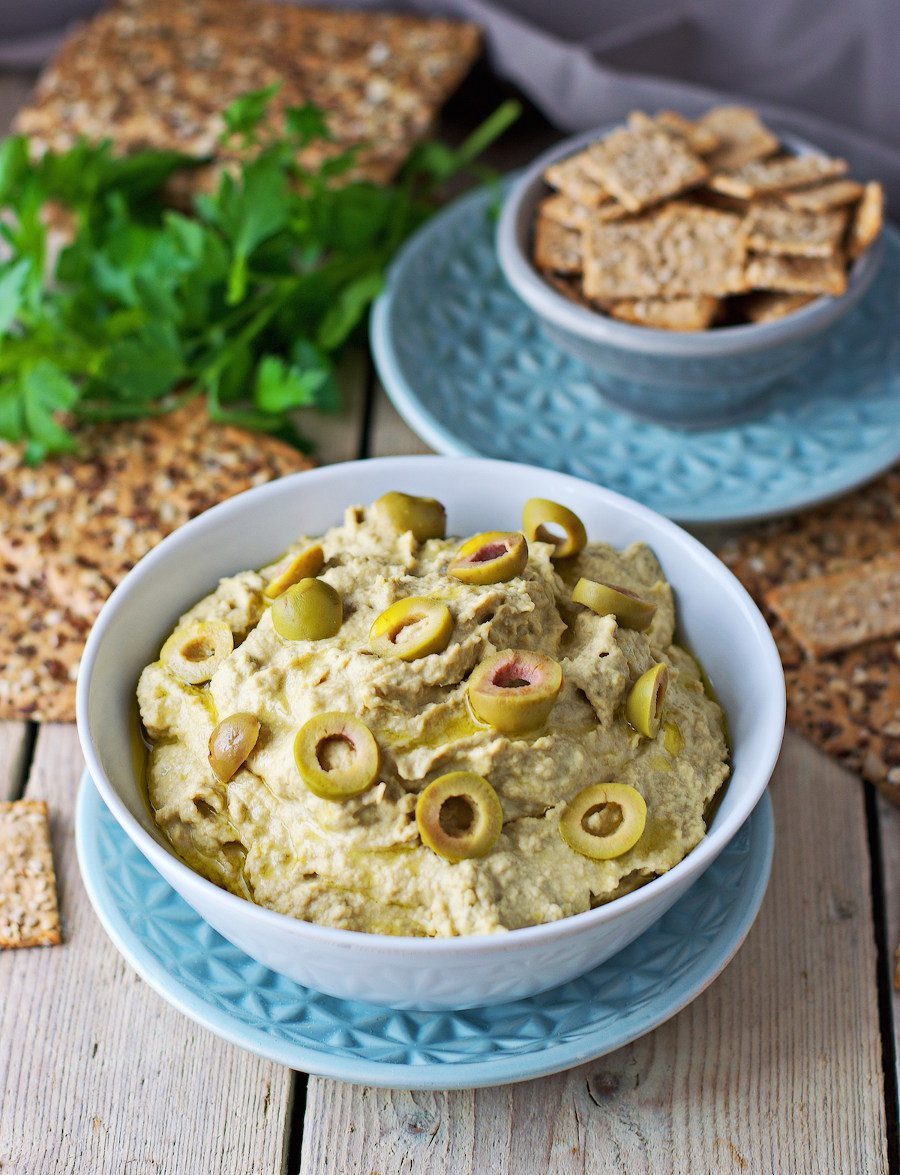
(717, 620)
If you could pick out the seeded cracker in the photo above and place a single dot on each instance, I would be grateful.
(29, 915)
(642, 167)
(668, 313)
(569, 177)
(797, 275)
(742, 137)
(769, 306)
(557, 248)
(831, 613)
(777, 175)
(699, 137)
(680, 250)
(833, 194)
(867, 221)
(794, 231)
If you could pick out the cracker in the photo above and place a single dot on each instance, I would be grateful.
(570, 214)
(569, 285)
(848, 704)
(795, 232)
(700, 138)
(642, 167)
(796, 275)
(831, 613)
(681, 314)
(73, 526)
(569, 177)
(742, 137)
(29, 914)
(868, 220)
(557, 248)
(769, 305)
(833, 194)
(777, 175)
(677, 251)
(154, 73)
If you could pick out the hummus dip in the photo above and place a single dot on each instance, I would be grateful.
(360, 863)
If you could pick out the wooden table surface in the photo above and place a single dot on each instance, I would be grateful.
(786, 1064)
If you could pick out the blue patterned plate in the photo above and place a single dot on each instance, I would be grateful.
(472, 371)
(220, 987)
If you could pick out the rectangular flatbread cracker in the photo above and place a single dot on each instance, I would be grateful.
(642, 167)
(833, 194)
(830, 613)
(777, 175)
(742, 137)
(796, 275)
(29, 914)
(681, 314)
(570, 214)
(868, 220)
(569, 177)
(795, 232)
(677, 251)
(557, 248)
(700, 139)
(769, 305)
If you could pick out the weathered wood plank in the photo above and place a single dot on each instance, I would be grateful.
(339, 436)
(99, 1074)
(390, 434)
(777, 1067)
(13, 749)
(889, 831)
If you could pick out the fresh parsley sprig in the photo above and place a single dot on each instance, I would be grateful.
(245, 298)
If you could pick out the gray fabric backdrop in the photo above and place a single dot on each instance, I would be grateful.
(827, 69)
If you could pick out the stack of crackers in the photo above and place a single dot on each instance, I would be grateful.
(685, 225)
(158, 73)
(829, 585)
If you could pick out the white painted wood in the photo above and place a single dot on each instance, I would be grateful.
(98, 1074)
(13, 748)
(889, 831)
(775, 1068)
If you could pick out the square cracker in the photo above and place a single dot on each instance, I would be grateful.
(868, 220)
(769, 305)
(642, 167)
(795, 232)
(29, 915)
(832, 613)
(556, 248)
(570, 214)
(832, 194)
(699, 138)
(777, 175)
(676, 251)
(796, 275)
(569, 177)
(742, 137)
(683, 314)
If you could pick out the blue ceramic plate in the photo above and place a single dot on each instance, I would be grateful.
(472, 371)
(220, 987)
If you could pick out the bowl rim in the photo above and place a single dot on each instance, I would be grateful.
(592, 327)
(165, 859)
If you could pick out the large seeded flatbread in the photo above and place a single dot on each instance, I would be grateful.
(72, 527)
(847, 702)
(157, 73)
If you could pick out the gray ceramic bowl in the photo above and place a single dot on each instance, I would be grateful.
(693, 379)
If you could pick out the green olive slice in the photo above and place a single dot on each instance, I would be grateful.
(515, 691)
(337, 756)
(231, 742)
(539, 512)
(310, 610)
(604, 820)
(425, 518)
(606, 599)
(412, 628)
(195, 651)
(304, 565)
(459, 816)
(673, 739)
(643, 706)
(493, 557)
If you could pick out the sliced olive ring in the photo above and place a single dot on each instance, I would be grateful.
(606, 599)
(195, 651)
(425, 518)
(231, 742)
(310, 610)
(337, 756)
(493, 557)
(514, 691)
(644, 704)
(459, 816)
(604, 820)
(538, 512)
(412, 628)
(306, 564)
(673, 739)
